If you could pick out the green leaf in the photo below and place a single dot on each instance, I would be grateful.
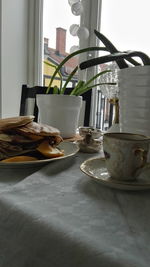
(82, 87)
(69, 57)
(55, 90)
(68, 80)
(112, 49)
(55, 67)
(96, 76)
(114, 57)
(77, 87)
(85, 89)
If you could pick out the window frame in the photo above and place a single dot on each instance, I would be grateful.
(35, 42)
(90, 18)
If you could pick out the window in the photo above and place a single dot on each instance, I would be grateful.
(126, 24)
(56, 26)
(57, 19)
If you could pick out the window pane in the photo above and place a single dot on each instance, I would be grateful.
(126, 24)
(57, 19)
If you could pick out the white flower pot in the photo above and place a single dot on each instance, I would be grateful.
(134, 87)
(60, 111)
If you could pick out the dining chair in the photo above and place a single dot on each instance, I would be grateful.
(28, 104)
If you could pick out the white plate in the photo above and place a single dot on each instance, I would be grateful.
(95, 168)
(69, 148)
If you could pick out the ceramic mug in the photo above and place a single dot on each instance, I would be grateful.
(125, 154)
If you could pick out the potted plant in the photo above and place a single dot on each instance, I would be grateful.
(61, 110)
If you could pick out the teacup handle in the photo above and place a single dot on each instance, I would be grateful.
(143, 155)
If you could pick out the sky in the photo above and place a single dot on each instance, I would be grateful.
(125, 22)
(59, 17)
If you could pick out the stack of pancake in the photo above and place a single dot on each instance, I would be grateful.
(22, 139)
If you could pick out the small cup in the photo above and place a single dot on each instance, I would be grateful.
(94, 132)
(91, 142)
(125, 154)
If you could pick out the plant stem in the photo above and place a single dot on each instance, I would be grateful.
(53, 66)
(70, 56)
(79, 85)
(68, 80)
(85, 89)
(114, 57)
(112, 49)
(56, 90)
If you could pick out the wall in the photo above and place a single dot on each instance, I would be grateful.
(14, 33)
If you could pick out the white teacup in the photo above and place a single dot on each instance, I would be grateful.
(125, 154)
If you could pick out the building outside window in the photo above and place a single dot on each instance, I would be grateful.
(54, 56)
(58, 41)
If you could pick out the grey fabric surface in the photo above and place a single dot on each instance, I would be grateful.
(58, 217)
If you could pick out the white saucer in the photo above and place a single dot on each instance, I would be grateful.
(96, 169)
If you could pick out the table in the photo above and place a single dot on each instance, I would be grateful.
(58, 217)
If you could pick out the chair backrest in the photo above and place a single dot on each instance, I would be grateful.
(28, 102)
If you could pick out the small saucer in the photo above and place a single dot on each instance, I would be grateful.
(96, 169)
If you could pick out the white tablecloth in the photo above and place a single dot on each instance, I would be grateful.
(58, 217)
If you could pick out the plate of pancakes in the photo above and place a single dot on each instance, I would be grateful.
(26, 142)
